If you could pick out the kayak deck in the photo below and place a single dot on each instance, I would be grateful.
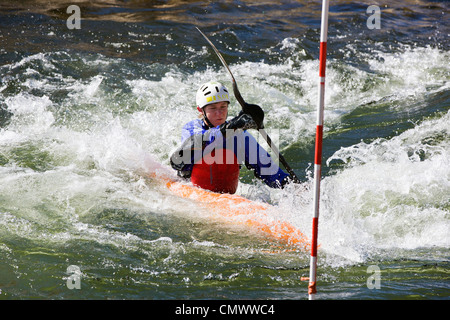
(234, 208)
(243, 211)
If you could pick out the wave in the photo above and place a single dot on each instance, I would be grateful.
(78, 129)
(391, 193)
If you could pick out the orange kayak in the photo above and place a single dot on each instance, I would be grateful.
(237, 209)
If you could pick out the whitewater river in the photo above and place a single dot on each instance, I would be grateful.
(82, 111)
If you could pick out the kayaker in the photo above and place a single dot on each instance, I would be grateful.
(213, 149)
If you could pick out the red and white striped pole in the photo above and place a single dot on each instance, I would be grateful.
(318, 151)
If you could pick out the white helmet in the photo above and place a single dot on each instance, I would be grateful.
(211, 92)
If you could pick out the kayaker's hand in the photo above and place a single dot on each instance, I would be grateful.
(256, 113)
(242, 121)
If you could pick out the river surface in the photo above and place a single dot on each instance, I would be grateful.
(81, 110)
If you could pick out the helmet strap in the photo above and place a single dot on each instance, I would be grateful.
(205, 118)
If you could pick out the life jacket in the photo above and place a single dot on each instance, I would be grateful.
(217, 171)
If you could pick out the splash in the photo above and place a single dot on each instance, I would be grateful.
(392, 193)
(84, 144)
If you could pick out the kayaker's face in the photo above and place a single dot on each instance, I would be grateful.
(217, 112)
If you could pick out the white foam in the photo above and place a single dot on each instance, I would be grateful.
(30, 114)
(388, 196)
(391, 193)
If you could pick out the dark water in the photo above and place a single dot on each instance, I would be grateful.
(81, 109)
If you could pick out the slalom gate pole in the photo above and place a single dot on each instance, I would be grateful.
(318, 150)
